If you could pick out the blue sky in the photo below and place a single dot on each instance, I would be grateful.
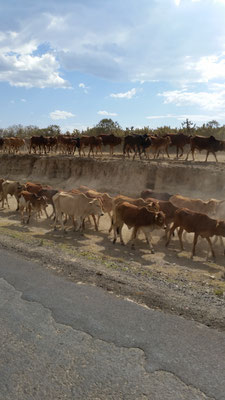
(140, 62)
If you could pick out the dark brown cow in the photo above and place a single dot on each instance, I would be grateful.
(155, 195)
(138, 218)
(210, 144)
(137, 144)
(179, 141)
(1, 143)
(111, 141)
(38, 142)
(199, 224)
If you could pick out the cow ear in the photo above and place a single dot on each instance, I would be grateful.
(217, 223)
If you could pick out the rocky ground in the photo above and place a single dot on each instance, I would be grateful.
(168, 280)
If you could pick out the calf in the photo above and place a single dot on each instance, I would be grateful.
(137, 202)
(199, 224)
(137, 218)
(29, 201)
(160, 144)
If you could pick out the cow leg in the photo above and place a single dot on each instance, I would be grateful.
(207, 154)
(46, 214)
(180, 232)
(149, 239)
(95, 222)
(167, 152)
(172, 229)
(58, 216)
(29, 213)
(211, 248)
(133, 237)
(194, 245)
(215, 156)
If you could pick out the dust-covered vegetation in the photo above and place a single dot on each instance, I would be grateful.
(108, 126)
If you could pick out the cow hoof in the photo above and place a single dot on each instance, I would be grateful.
(114, 241)
(152, 251)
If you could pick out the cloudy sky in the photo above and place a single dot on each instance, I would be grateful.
(139, 62)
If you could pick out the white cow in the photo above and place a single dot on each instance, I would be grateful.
(13, 188)
(78, 206)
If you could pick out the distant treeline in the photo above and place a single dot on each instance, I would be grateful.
(107, 126)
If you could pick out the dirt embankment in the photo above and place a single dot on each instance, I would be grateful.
(169, 279)
(116, 175)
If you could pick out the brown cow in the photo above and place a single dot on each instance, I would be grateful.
(138, 218)
(31, 201)
(137, 202)
(13, 144)
(211, 207)
(199, 224)
(93, 142)
(35, 187)
(160, 144)
(169, 211)
(210, 144)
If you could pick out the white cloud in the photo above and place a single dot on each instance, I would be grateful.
(117, 49)
(212, 100)
(209, 68)
(23, 100)
(126, 95)
(31, 71)
(192, 117)
(107, 113)
(58, 114)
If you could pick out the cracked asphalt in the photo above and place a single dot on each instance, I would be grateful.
(61, 340)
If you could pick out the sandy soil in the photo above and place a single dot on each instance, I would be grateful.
(168, 280)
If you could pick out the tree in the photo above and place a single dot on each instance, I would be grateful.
(108, 125)
(188, 126)
(213, 124)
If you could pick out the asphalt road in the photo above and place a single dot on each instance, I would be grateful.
(60, 340)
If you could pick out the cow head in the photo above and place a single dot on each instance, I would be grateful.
(96, 207)
(160, 219)
(220, 228)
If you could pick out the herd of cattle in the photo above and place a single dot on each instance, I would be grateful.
(152, 210)
(135, 144)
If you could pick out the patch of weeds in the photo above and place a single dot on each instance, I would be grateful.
(218, 292)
